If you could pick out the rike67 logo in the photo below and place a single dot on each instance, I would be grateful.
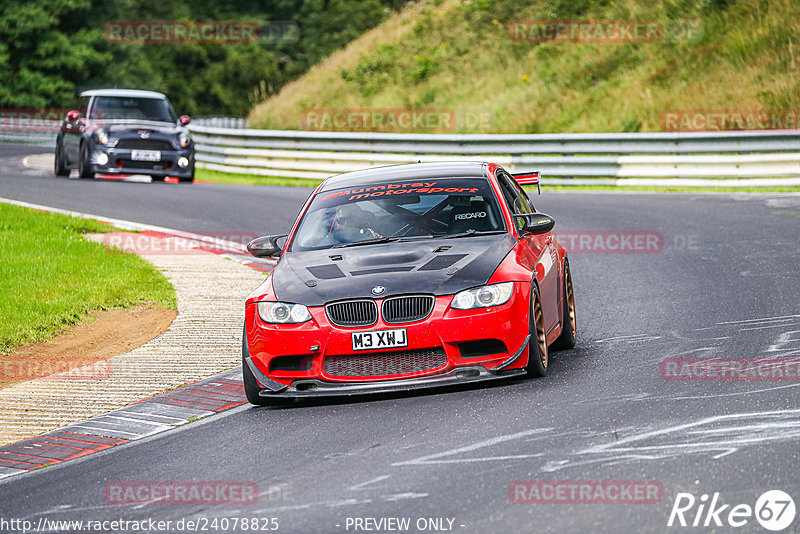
(774, 510)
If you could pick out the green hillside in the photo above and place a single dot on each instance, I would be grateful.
(475, 62)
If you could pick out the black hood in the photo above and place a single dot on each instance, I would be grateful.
(433, 266)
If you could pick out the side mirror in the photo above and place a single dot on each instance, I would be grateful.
(535, 223)
(184, 120)
(266, 246)
(73, 115)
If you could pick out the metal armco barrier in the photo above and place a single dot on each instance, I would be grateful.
(741, 158)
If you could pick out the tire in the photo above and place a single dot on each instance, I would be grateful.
(59, 166)
(568, 335)
(84, 164)
(538, 358)
(189, 180)
(251, 387)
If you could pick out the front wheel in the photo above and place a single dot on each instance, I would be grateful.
(251, 386)
(569, 327)
(60, 167)
(189, 180)
(251, 389)
(537, 346)
(85, 165)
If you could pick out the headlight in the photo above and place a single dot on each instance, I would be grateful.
(483, 297)
(102, 136)
(183, 138)
(282, 313)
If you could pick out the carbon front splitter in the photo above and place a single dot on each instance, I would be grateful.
(460, 375)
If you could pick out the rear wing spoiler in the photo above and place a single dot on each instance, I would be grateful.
(529, 178)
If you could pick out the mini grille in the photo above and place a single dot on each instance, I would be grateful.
(145, 144)
(385, 363)
(133, 164)
(353, 313)
(407, 309)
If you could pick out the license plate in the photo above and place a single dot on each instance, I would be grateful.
(146, 155)
(380, 339)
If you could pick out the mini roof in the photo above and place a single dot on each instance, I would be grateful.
(407, 172)
(134, 93)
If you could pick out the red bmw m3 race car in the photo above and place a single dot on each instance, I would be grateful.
(408, 276)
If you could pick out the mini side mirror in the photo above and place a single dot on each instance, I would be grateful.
(535, 223)
(73, 115)
(184, 120)
(266, 246)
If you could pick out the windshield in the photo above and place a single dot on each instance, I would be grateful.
(393, 211)
(117, 107)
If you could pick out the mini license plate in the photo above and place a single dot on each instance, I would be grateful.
(146, 155)
(380, 339)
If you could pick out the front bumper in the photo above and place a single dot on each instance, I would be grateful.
(320, 388)
(120, 161)
(446, 329)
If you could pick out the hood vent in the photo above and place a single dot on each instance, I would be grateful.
(442, 262)
(382, 270)
(326, 272)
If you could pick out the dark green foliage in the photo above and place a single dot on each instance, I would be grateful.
(50, 50)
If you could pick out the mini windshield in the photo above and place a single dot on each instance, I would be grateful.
(378, 213)
(117, 107)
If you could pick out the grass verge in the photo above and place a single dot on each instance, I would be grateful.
(207, 175)
(51, 276)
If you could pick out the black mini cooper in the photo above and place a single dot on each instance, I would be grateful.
(125, 132)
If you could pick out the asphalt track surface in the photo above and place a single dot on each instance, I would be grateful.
(724, 285)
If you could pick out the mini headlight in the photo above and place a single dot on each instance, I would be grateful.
(183, 138)
(102, 136)
(283, 313)
(483, 297)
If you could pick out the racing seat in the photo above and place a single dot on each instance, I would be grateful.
(476, 216)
